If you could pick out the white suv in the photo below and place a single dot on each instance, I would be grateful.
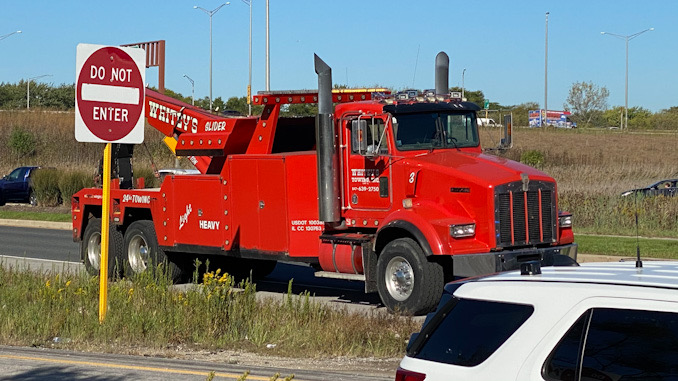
(603, 322)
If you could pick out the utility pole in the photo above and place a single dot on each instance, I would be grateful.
(546, 74)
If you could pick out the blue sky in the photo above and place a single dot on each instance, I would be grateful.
(367, 43)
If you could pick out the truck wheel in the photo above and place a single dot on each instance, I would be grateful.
(90, 249)
(2, 199)
(143, 252)
(406, 281)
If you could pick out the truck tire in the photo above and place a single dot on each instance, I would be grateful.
(90, 249)
(2, 199)
(142, 252)
(407, 282)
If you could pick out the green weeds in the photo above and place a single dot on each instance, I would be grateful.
(148, 312)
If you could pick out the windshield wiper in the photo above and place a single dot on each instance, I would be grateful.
(453, 140)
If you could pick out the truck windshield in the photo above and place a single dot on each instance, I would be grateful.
(431, 130)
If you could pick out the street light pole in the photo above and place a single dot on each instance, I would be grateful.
(210, 14)
(546, 74)
(462, 82)
(28, 89)
(249, 83)
(8, 34)
(626, 83)
(268, 51)
(192, 89)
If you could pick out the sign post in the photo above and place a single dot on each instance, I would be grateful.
(109, 108)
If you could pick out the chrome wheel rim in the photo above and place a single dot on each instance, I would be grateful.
(94, 250)
(137, 254)
(399, 278)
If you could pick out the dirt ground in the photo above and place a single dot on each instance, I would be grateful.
(16, 207)
(374, 367)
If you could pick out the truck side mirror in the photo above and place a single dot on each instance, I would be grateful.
(359, 136)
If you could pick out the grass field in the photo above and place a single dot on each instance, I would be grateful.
(593, 167)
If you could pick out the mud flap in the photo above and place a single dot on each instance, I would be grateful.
(370, 267)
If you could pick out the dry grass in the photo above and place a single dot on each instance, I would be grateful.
(56, 146)
(601, 162)
(593, 167)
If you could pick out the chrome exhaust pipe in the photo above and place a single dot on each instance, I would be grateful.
(329, 206)
(442, 74)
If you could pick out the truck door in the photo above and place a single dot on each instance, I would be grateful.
(368, 182)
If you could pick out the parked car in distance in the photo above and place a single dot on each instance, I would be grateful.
(660, 188)
(597, 321)
(487, 122)
(16, 187)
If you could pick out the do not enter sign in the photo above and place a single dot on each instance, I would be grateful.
(109, 94)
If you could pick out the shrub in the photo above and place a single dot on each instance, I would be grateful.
(532, 158)
(150, 181)
(22, 142)
(45, 184)
(73, 181)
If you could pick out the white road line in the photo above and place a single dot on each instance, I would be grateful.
(2, 257)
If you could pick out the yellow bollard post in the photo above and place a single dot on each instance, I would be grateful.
(105, 223)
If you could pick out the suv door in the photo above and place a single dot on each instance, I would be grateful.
(608, 340)
(15, 185)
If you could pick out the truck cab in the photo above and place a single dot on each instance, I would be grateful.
(414, 173)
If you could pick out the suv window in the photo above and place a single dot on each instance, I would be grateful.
(17, 174)
(615, 347)
(466, 332)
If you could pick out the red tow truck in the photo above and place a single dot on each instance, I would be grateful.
(393, 192)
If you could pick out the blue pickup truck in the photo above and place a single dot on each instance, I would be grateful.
(16, 187)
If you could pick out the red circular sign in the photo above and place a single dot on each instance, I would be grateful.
(110, 93)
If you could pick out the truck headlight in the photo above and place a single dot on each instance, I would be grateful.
(565, 221)
(459, 231)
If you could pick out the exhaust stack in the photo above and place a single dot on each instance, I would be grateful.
(442, 73)
(326, 146)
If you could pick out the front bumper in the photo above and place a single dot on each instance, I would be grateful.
(469, 265)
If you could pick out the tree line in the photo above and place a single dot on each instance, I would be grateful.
(586, 101)
(14, 96)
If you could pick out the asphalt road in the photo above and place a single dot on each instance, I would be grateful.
(50, 244)
(60, 365)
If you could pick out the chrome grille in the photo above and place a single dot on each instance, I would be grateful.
(525, 217)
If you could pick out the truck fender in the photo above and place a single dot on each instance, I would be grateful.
(396, 228)
(390, 231)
